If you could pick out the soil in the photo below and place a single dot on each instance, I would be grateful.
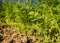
(10, 35)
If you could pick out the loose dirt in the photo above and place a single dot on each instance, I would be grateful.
(10, 35)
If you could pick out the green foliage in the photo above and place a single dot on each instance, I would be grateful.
(42, 20)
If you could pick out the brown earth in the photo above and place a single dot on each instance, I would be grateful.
(10, 35)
